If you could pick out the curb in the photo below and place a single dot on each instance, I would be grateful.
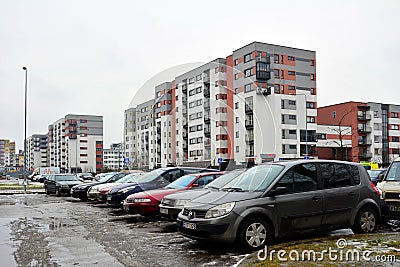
(13, 192)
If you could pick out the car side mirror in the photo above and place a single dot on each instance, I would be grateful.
(381, 177)
(277, 191)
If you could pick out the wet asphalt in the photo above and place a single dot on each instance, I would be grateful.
(41, 230)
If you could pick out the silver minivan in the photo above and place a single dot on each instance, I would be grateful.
(284, 198)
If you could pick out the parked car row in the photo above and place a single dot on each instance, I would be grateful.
(249, 206)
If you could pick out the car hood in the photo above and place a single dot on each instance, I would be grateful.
(105, 186)
(188, 194)
(156, 193)
(389, 186)
(221, 197)
(122, 186)
(69, 183)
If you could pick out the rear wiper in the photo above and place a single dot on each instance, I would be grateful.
(233, 189)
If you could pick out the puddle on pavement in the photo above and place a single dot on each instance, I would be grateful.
(6, 248)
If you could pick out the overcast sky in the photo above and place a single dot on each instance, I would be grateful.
(91, 57)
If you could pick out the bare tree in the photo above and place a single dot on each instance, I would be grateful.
(342, 131)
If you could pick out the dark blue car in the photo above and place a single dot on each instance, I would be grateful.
(153, 180)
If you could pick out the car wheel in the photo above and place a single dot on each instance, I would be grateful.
(58, 192)
(46, 190)
(254, 233)
(366, 221)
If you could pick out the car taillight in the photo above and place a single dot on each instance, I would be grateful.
(376, 189)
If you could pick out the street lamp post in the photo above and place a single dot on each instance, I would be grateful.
(26, 99)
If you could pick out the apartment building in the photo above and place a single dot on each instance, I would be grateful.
(36, 149)
(375, 134)
(113, 157)
(7, 153)
(275, 101)
(256, 105)
(75, 143)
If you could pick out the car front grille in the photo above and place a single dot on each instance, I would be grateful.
(389, 195)
(194, 213)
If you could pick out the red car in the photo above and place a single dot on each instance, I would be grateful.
(146, 203)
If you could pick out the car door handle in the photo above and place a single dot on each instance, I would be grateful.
(351, 194)
(316, 198)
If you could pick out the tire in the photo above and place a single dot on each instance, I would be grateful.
(254, 233)
(58, 192)
(46, 190)
(366, 221)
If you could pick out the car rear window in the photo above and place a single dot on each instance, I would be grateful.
(339, 175)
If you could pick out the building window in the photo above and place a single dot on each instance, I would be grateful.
(292, 117)
(236, 76)
(310, 105)
(395, 151)
(395, 127)
(237, 148)
(237, 134)
(236, 62)
(291, 87)
(312, 77)
(248, 72)
(311, 119)
(334, 114)
(247, 57)
(377, 139)
(248, 87)
(237, 119)
(312, 91)
(191, 80)
(236, 91)
(395, 115)
(291, 73)
(376, 115)
(198, 77)
(312, 62)
(276, 73)
(276, 58)
(290, 58)
(292, 147)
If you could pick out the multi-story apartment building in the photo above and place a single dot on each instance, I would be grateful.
(144, 134)
(36, 151)
(7, 153)
(75, 143)
(375, 134)
(200, 115)
(256, 105)
(274, 104)
(113, 157)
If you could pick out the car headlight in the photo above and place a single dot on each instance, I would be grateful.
(94, 189)
(181, 202)
(141, 200)
(220, 210)
(126, 190)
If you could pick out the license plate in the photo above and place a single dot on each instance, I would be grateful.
(163, 211)
(394, 208)
(109, 198)
(189, 225)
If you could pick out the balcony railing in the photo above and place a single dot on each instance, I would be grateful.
(364, 129)
(364, 117)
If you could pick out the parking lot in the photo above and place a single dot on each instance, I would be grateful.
(41, 230)
(61, 231)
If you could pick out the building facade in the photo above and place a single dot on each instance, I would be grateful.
(36, 151)
(257, 104)
(75, 143)
(113, 157)
(7, 153)
(375, 134)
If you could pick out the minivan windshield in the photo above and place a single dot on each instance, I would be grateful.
(224, 179)
(394, 172)
(254, 179)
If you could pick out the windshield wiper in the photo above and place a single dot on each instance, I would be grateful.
(213, 187)
(233, 189)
